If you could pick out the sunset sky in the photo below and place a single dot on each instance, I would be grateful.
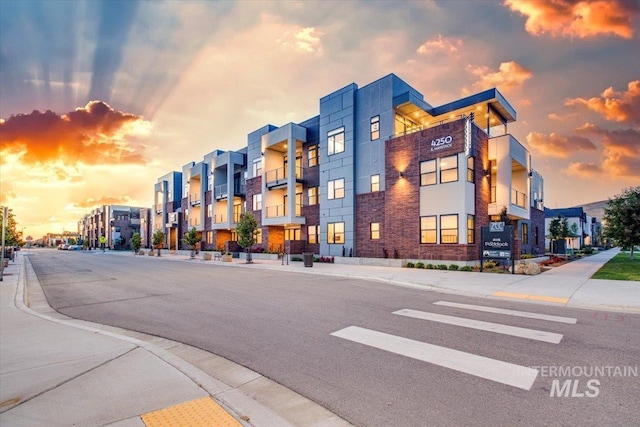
(99, 99)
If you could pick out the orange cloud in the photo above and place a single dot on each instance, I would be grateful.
(95, 134)
(556, 145)
(571, 18)
(105, 200)
(510, 75)
(612, 105)
(585, 170)
(440, 44)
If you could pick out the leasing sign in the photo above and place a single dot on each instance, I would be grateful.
(497, 242)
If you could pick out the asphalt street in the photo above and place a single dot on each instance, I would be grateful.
(373, 353)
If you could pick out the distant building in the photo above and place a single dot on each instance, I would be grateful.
(586, 228)
(378, 173)
(116, 223)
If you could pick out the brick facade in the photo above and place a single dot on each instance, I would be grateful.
(370, 209)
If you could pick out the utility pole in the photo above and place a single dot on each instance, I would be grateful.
(5, 212)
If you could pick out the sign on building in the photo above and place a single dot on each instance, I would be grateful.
(497, 242)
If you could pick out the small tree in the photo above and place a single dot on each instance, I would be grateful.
(622, 219)
(158, 240)
(136, 242)
(247, 229)
(191, 239)
(12, 237)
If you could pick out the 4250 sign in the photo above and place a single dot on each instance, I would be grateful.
(440, 143)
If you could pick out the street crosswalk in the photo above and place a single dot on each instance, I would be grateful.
(499, 371)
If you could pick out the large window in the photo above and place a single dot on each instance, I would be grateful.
(257, 168)
(336, 189)
(312, 234)
(449, 228)
(375, 183)
(292, 234)
(449, 169)
(257, 202)
(471, 228)
(525, 233)
(312, 196)
(209, 210)
(335, 140)
(335, 232)
(470, 170)
(313, 155)
(428, 172)
(374, 231)
(259, 236)
(209, 237)
(375, 128)
(428, 229)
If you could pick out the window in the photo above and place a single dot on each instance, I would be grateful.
(291, 234)
(209, 211)
(312, 234)
(471, 228)
(313, 155)
(449, 228)
(375, 183)
(525, 233)
(312, 195)
(470, 171)
(335, 232)
(428, 229)
(336, 189)
(234, 236)
(449, 169)
(375, 128)
(257, 202)
(428, 172)
(257, 168)
(259, 236)
(374, 231)
(335, 140)
(209, 238)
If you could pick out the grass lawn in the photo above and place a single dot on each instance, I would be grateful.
(620, 267)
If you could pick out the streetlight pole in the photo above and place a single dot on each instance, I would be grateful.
(5, 212)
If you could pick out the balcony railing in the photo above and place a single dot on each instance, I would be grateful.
(276, 211)
(194, 222)
(221, 191)
(519, 199)
(219, 218)
(194, 199)
(281, 174)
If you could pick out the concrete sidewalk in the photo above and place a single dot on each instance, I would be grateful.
(57, 371)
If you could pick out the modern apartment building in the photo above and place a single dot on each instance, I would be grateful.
(378, 173)
(115, 222)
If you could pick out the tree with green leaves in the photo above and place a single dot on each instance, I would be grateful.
(136, 242)
(158, 240)
(247, 229)
(12, 237)
(622, 219)
(191, 239)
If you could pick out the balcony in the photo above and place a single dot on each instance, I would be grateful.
(194, 199)
(219, 219)
(194, 222)
(519, 199)
(221, 191)
(278, 211)
(277, 178)
(159, 209)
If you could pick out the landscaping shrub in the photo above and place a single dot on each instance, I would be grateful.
(454, 267)
(430, 266)
(420, 265)
(490, 264)
(466, 268)
(442, 267)
(410, 265)
(526, 256)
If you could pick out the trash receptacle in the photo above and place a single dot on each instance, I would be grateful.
(308, 259)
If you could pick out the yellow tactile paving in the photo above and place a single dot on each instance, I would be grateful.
(530, 297)
(202, 412)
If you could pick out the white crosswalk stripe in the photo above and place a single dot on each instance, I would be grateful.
(498, 328)
(483, 367)
(508, 312)
(492, 369)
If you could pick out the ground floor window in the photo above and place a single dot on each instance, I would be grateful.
(292, 234)
(374, 231)
(259, 236)
(209, 237)
(335, 232)
(312, 234)
(525, 233)
(428, 229)
(471, 228)
(449, 228)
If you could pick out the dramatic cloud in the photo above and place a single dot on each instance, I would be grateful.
(440, 45)
(510, 75)
(95, 134)
(556, 145)
(306, 40)
(612, 105)
(584, 170)
(105, 200)
(571, 18)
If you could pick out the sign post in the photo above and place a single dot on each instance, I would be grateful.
(497, 243)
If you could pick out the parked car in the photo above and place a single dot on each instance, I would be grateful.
(75, 248)
(60, 246)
